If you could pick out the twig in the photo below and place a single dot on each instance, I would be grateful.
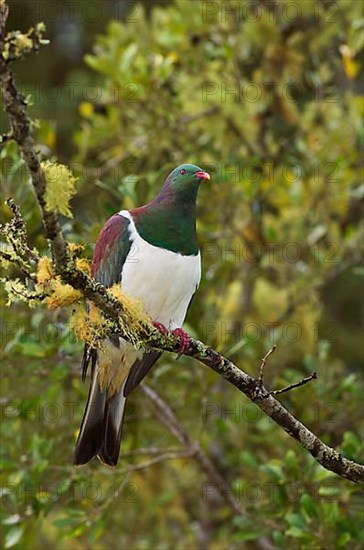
(15, 234)
(151, 451)
(156, 460)
(18, 45)
(302, 382)
(17, 225)
(115, 495)
(264, 363)
(7, 257)
(261, 392)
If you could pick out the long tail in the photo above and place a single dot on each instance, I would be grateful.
(101, 426)
(102, 422)
(112, 428)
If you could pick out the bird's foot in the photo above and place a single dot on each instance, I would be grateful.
(162, 329)
(183, 338)
(178, 333)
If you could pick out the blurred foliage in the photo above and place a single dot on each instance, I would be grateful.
(267, 97)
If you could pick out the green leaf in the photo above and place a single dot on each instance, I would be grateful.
(97, 530)
(278, 537)
(296, 520)
(13, 536)
(297, 533)
(332, 512)
(308, 505)
(351, 445)
(75, 513)
(249, 458)
(275, 470)
(65, 522)
(248, 535)
(291, 459)
(343, 539)
(128, 57)
(11, 520)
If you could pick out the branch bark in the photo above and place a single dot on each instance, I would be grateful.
(16, 108)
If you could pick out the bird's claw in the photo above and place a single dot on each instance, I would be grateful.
(162, 329)
(183, 338)
(178, 333)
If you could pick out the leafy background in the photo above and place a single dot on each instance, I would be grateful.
(268, 98)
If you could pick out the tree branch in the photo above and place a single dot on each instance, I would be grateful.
(169, 419)
(298, 384)
(16, 108)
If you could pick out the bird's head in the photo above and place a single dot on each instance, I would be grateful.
(183, 182)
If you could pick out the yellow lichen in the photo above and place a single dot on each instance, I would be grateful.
(89, 326)
(45, 270)
(23, 42)
(40, 27)
(92, 327)
(136, 317)
(16, 291)
(58, 293)
(60, 188)
(17, 44)
(75, 248)
(62, 295)
(83, 265)
(133, 308)
(5, 264)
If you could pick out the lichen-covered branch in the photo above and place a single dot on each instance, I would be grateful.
(16, 108)
(65, 267)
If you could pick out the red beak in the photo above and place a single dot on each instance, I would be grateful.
(203, 175)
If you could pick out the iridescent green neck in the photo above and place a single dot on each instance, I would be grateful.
(169, 222)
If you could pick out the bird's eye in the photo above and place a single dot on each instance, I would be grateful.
(182, 172)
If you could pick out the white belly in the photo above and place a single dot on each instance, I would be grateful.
(164, 281)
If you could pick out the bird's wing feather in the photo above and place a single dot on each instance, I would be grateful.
(139, 370)
(111, 251)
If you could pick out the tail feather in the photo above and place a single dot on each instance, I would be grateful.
(92, 426)
(101, 426)
(102, 423)
(113, 427)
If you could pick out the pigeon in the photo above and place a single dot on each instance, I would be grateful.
(153, 253)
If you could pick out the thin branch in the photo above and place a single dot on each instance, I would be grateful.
(302, 382)
(16, 108)
(168, 417)
(21, 231)
(328, 457)
(18, 251)
(156, 460)
(6, 257)
(145, 451)
(115, 495)
(264, 363)
(10, 259)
